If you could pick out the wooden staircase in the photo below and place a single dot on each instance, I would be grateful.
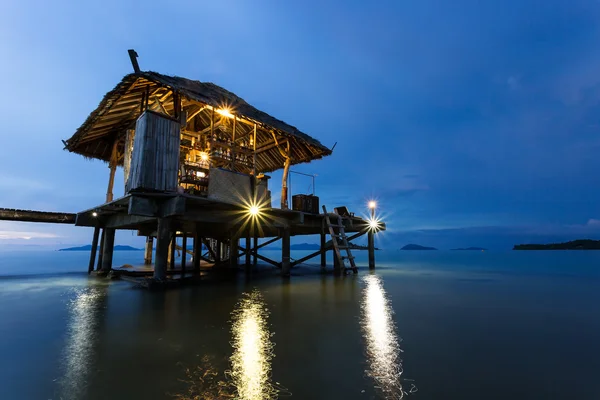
(337, 232)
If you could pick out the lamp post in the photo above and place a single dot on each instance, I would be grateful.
(370, 235)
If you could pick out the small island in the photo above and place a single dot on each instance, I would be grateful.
(582, 244)
(89, 247)
(470, 249)
(417, 247)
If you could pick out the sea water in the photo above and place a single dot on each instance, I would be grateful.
(423, 325)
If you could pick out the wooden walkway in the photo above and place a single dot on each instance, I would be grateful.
(10, 214)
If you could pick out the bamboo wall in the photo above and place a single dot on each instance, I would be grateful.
(155, 157)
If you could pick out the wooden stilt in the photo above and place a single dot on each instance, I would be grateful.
(109, 244)
(323, 251)
(371, 245)
(219, 252)
(285, 252)
(248, 251)
(172, 251)
(233, 252)
(255, 252)
(336, 263)
(94, 249)
(101, 252)
(163, 239)
(197, 249)
(183, 253)
(148, 250)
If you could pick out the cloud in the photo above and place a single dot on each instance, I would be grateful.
(16, 235)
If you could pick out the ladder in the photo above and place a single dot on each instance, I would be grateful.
(337, 232)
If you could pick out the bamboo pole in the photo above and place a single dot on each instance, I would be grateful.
(113, 167)
(254, 153)
(101, 252)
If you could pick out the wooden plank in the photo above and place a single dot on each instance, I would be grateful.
(9, 214)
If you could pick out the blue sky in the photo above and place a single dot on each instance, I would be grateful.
(471, 122)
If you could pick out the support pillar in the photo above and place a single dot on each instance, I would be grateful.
(255, 252)
(371, 245)
(323, 252)
(101, 252)
(163, 238)
(197, 250)
(337, 269)
(107, 251)
(248, 251)
(285, 252)
(148, 250)
(172, 250)
(94, 249)
(183, 254)
(233, 252)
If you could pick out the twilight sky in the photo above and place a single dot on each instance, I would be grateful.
(474, 123)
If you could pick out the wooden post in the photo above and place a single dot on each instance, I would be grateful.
(255, 252)
(101, 252)
(163, 238)
(233, 144)
(113, 167)
(183, 253)
(371, 243)
(284, 188)
(219, 252)
(323, 251)
(197, 249)
(94, 249)
(109, 244)
(248, 251)
(254, 153)
(336, 263)
(148, 250)
(172, 250)
(233, 252)
(285, 252)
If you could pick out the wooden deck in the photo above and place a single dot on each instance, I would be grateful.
(213, 218)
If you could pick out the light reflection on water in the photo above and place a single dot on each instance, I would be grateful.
(252, 349)
(382, 343)
(79, 354)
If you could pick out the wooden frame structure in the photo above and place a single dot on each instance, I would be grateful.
(215, 131)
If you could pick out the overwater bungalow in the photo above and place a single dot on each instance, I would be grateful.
(195, 158)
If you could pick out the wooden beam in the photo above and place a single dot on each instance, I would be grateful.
(163, 237)
(9, 214)
(108, 249)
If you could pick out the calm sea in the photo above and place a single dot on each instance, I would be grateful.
(424, 325)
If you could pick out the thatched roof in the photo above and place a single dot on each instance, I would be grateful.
(120, 108)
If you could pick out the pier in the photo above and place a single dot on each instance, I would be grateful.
(195, 158)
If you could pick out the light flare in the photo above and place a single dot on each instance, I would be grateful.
(226, 112)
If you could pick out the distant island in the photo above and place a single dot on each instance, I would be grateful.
(471, 248)
(417, 247)
(582, 244)
(88, 247)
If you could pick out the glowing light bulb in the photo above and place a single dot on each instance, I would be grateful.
(254, 210)
(226, 112)
(204, 156)
(372, 204)
(94, 214)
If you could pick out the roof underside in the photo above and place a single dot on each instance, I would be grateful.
(120, 108)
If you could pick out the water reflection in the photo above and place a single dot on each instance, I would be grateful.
(85, 314)
(253, 349)
(382, 343)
